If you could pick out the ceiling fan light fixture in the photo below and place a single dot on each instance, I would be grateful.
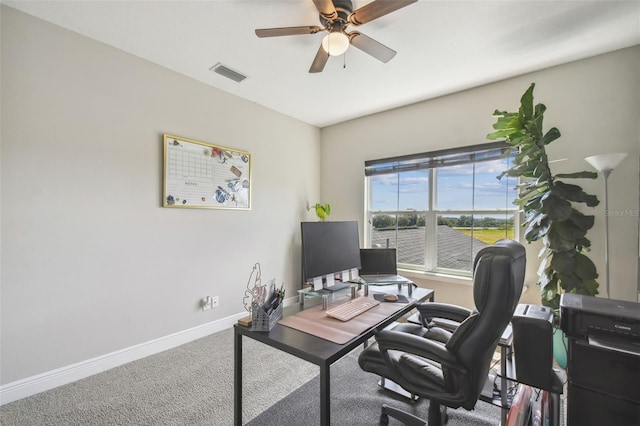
(335, 43)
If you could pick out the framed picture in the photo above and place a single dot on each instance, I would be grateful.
(203, 175)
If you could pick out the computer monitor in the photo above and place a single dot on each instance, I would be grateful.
(329, 248)
(378, 261)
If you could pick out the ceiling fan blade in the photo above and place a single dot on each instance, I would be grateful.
(319, 61)
(372, 47)
(326, 9)
(287, 31)
(376, 9)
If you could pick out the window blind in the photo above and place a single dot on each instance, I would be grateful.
(433, 159)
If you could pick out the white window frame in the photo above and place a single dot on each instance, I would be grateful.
(431, 215)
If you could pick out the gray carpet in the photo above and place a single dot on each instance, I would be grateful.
(356, 400)
(193, 385)
(188, 385)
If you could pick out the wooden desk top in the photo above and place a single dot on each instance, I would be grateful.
(317, 350)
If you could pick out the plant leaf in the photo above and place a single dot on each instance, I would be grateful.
(556, 208)
(526, 104)
(559, 244)
(581, 220)
(568, 230)
(564, 262)
(589, 288)
(551, 136)
(574, 193)
(569, 282)
(537, 229)
(577, 175)
(585, 268)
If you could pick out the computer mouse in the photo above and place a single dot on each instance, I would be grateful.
(390, 297)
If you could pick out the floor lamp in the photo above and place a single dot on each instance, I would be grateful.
(605, 163)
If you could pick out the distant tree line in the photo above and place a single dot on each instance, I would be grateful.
(412, 220)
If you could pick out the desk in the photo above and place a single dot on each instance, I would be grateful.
(310, 348)
(506, 374)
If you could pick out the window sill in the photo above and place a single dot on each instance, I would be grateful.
(436, 276)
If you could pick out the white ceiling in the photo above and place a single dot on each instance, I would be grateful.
(443, 46)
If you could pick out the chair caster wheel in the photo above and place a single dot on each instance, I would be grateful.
(384, 419)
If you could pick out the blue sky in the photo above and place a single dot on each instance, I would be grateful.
(454, 191)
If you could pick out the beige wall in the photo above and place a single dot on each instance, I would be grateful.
(594, 102)
(91, 261)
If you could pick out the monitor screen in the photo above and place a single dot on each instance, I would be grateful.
(378, 261)
(329, 247)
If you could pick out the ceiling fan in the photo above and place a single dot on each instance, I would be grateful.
(335, 17)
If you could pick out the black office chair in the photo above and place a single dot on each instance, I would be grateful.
(451, 368)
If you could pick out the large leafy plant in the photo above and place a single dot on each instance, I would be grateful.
(547, 204)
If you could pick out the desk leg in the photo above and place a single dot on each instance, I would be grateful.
(504, 386)
(237, 378)
(325, 395)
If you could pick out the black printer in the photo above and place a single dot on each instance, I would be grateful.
(603, 363)
(581, 316)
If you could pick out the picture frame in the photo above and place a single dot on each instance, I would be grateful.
(205, 176)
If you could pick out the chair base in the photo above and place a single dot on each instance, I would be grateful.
(437, 416)
(391, 386)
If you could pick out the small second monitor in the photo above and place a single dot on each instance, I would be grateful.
(378, 261)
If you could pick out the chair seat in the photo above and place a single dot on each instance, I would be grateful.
(421, 374)
(412, 371)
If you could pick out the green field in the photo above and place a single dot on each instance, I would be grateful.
(487, 235)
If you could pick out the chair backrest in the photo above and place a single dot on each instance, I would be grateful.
(497, 285)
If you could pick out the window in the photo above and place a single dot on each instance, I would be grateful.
(439, 208)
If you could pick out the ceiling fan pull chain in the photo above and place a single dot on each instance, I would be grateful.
(344, 60)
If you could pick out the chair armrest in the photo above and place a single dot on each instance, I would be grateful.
(389, 340)
(443, 310)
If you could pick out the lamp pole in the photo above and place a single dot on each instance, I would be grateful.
(606, 174)
(605, 163)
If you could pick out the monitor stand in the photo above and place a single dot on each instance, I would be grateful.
(337, 287)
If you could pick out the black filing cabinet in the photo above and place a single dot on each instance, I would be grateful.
(604, 386)
(603, 362)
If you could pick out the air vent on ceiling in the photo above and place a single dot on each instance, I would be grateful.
(225, 71)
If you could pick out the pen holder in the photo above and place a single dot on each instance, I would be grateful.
(261, 321)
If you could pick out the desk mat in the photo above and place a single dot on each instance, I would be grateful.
(315, 321)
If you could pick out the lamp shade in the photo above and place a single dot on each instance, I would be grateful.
(606, 162)
(335, 43)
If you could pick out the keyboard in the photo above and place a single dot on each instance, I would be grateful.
(352, 308)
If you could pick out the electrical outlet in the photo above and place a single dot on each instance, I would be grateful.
(207, 303)
(215, 302)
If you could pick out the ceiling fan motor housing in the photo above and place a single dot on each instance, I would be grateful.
(343, 9)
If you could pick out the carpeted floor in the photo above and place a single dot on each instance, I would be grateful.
(188, 385)
(193, 385)
(356, 400)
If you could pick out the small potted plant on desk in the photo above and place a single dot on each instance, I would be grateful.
(322, 210)
(547, 205)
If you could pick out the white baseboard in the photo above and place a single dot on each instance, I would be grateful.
(290, 301)
(61, 376)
